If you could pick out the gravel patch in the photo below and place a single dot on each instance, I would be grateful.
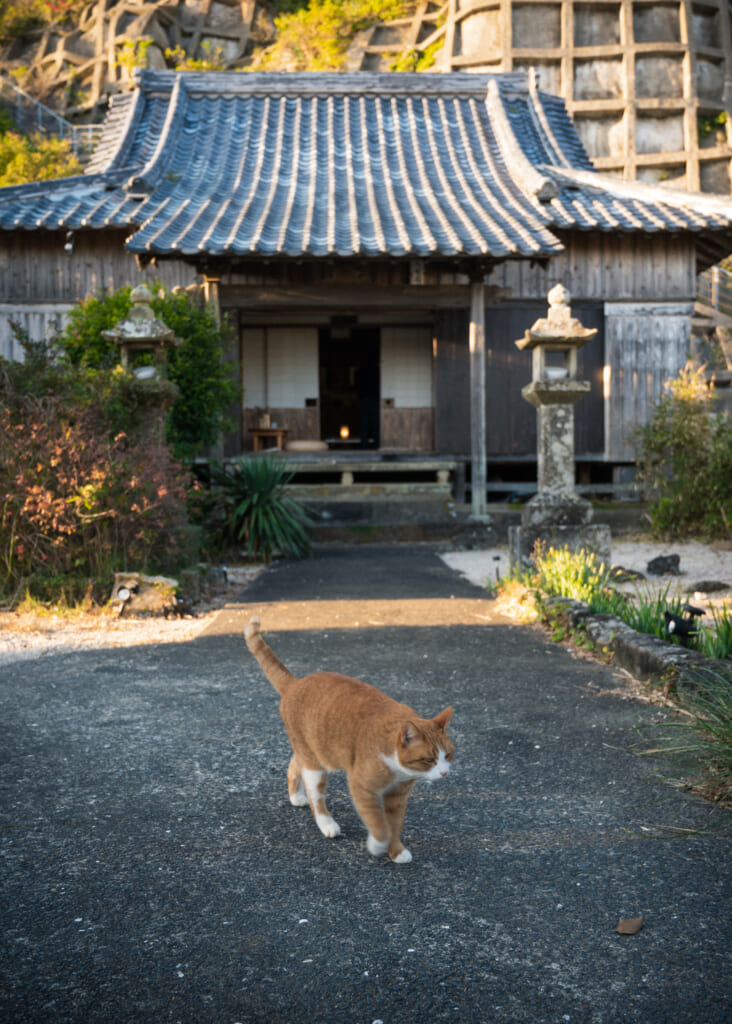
(26, 635)
(698, 562)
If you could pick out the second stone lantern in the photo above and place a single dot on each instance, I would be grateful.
(556, 515)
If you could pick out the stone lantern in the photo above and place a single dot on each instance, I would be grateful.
(556, 515)
(142, 332)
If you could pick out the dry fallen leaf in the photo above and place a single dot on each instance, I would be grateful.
(629, 925)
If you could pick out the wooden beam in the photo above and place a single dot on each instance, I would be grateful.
(347, 297)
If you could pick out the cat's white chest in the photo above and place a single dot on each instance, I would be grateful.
(398, 771)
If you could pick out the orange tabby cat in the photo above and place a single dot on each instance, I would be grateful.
(340, 724)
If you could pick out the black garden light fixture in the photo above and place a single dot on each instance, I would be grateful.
(686, 626)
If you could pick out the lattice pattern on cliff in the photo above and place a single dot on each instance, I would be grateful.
(638, 76)
(74, 69)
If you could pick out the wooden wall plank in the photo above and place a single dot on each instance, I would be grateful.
(646, 346)
(609, 267)
(37, 269)
(410, 429)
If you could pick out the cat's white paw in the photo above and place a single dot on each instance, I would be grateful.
(328, 826)
(298, 799)
(376, 847)
(404, 857)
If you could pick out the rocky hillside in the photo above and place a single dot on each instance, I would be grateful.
(73, 54)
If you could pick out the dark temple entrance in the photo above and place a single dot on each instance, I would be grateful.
(350, 385)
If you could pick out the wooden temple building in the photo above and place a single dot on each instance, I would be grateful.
(377, 243)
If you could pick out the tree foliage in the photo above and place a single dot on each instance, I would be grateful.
(205, 386)
(316, 37)
(34, 158)
(20, 16)
(87, 488)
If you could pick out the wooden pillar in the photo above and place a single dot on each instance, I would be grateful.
(211, 294)
(477, 398)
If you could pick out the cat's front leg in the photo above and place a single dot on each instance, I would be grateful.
(395, 806)
(371, 811)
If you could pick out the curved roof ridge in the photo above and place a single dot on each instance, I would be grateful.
(391, 83)
(117, 133)
(538, 112)
(164, 152)
(530, 180)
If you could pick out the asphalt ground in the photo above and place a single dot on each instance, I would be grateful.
(154, 870)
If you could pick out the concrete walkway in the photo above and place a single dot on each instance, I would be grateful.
(153, 869)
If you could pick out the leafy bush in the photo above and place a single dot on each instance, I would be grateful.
(82, 498)
(685, 461)
(247, 502)
(316, 37)
(213, 59)
(20, 16)
(205, 385)
(35, 158)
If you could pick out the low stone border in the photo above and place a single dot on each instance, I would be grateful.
(647, 658)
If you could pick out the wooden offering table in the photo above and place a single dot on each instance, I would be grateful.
(260, 433)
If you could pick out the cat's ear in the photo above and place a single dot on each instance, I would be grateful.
(408, 734)
(443, 718)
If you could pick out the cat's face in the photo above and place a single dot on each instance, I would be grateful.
(424, 750)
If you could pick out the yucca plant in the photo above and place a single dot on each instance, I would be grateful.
(257, 510)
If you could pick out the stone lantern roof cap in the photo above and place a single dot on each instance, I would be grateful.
(559, 329)
(141, 325)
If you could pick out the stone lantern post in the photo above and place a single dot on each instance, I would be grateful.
(556, 515)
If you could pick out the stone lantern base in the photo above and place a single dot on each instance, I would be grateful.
(594, 537)
(558, 520)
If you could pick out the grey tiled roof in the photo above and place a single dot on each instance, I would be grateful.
(318, 165)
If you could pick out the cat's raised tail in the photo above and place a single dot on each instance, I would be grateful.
(279, 676)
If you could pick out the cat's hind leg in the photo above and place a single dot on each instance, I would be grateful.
(315, 782)
(298, 796)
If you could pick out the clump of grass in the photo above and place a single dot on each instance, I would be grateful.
(580, 575)
(564, 573)
(704, 757)
(717, 641)
(646, 613)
